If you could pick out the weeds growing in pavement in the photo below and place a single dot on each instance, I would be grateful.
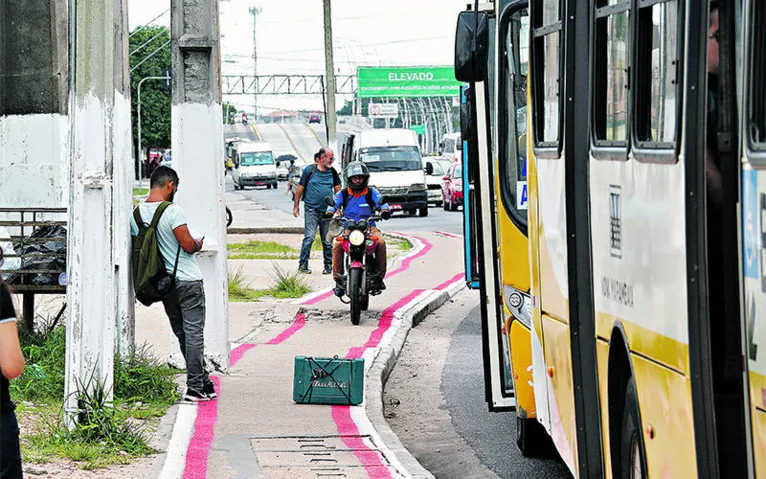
(288, 285)
(107, 432)
(239, 288)
(261, 250)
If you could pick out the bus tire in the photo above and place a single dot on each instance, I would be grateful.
(632, 452)
(532, 439)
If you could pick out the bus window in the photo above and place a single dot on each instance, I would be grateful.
(513, 123)
(610, 86)
(657, 75)
(547, 85)
(756, 126)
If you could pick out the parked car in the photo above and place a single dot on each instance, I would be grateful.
(452, 187)
(315, 118)
(440, 166)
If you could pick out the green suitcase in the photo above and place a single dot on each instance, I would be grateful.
(328, 381)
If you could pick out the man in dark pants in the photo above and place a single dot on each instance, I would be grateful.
(185, 306)
(317, 182)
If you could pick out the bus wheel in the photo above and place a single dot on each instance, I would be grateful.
(632, 456)
(532, 439)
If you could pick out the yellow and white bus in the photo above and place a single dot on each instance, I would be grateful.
(629, 296)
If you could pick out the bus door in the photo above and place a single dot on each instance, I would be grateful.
(470, 158)
(753, 231)
(471, 65)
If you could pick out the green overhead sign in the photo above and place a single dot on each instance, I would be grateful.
(402, 82)
(419, 129)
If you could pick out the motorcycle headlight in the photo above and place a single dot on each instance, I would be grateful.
(356, 238)
(418, 187)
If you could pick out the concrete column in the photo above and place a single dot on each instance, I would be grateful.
(197, 139)
(123, 185)
(92, 240)
(34, 104)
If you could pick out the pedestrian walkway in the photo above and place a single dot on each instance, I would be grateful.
(254, 429)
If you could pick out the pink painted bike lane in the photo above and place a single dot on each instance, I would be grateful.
(254, 428)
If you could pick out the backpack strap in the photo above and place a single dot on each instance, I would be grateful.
(313, 170)
(344, 192)
(370, 200)
(157, 214)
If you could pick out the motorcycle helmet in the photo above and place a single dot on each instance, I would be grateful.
(357, 168)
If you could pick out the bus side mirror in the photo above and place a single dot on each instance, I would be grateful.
(471, 46)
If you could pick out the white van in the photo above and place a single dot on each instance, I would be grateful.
(395, 164)
(451, 146)
(253, 165)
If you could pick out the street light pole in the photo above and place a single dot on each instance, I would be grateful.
(140, 154)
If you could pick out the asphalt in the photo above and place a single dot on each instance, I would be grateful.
(254, 428)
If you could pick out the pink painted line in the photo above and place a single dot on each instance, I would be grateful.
(207, 414)
(448, 235)
(238, 352)
(387, 317)
(450, 282)
(370, 459)
(196, 455)
(298, 323)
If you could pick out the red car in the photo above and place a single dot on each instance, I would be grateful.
(315, 118)
(452, 188)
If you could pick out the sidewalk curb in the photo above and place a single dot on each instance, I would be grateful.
(266, 230)
(384, 363)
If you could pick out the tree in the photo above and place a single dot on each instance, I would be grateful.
(347, 109)
(150, 56)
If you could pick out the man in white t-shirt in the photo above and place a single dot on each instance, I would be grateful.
(185, 306)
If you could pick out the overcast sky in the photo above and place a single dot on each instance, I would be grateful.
(290, 37)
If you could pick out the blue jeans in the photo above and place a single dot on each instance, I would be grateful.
(315, 219)
(185, 308)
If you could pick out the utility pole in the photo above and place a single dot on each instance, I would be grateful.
(197, 139)
(254, 11)
(329, 67)
(99, 199)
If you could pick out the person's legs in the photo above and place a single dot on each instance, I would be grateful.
(327, 252)
(337, 268)
(10, 450)
(309, 235)
(191, 295)
(380, 256)
(173, 310)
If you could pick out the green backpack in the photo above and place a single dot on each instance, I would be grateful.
(151, 281)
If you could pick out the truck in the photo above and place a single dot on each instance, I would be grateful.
(395, 164)
(253, 165)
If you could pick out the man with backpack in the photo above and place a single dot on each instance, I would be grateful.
(359, 201)
(317, 182)
(165, 269)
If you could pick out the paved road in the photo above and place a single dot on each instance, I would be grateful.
(304, 139)
(240, 130)
(437, 219)
(491, 435)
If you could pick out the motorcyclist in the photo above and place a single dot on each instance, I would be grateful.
(357, 207)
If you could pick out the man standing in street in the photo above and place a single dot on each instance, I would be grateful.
(185, 305)
(317, 182)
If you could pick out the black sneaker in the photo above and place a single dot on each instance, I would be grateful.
(304, 269)
(192, 395)
(327, 269)
(340, 288)
(209, 390)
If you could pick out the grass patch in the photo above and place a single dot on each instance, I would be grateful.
(240, 290)
(401, 244)
(288, 285)
(140, 191)
(261, 250)
(106, 432)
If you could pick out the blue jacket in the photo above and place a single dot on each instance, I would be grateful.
(357, 207)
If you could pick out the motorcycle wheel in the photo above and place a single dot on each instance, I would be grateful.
(354, 292)
(229, 217)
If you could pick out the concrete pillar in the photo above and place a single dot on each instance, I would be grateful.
(197, 139)
(93, 239)
(123, 186)
(34, 104)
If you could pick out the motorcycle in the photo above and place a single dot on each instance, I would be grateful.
(359, 246)
(229, 217)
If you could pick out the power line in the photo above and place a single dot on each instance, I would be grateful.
(148, 23)
(150, 55)
(149, 41)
